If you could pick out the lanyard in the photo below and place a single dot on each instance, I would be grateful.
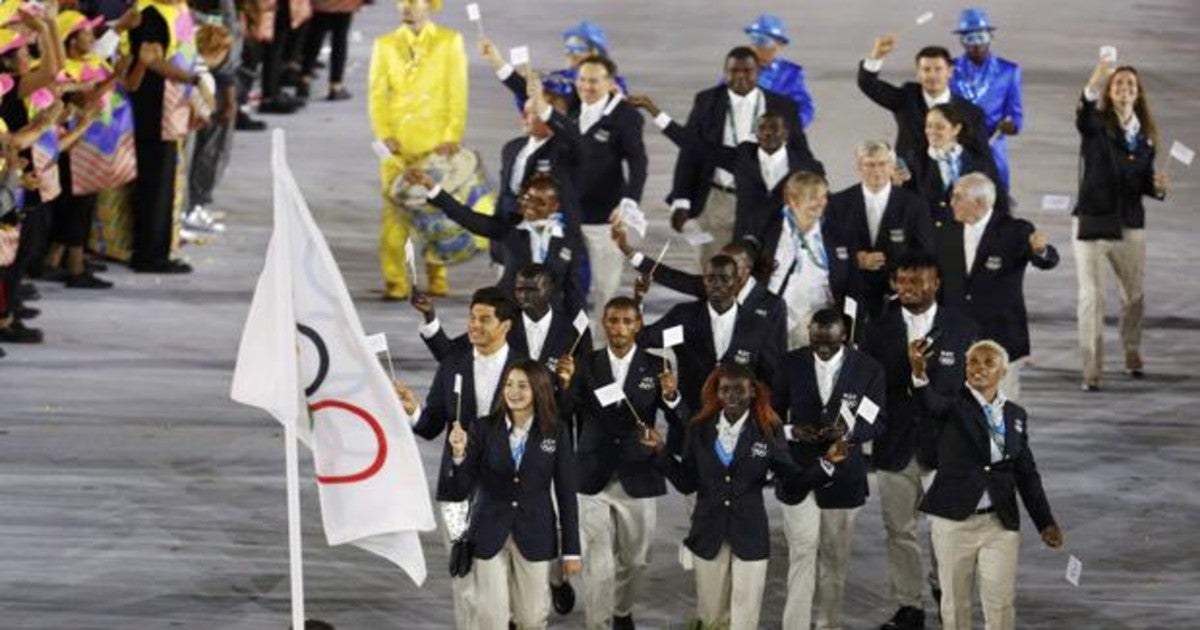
(995, 432)
(732, 124)
(820, 259)
(725, 456)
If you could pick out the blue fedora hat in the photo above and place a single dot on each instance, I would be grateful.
(973, 19)
(770, 26)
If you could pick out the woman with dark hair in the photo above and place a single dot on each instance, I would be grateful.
(1116, 154)
(510, 460)
(731, 445)
(952, 153)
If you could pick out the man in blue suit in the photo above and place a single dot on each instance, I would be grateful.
(991, 83)
(775, 74)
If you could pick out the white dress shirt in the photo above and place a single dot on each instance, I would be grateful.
(940, 99)
(620, 365)
(729, 432)
(540, 233)
(517, 435)
(744, 294)
(590, 114)
(487, 371)
(518, 169)
(722, 328)
(918, 325)
(745, 110)
(972, 234)
(827, 373)
(996, 419)
(773, 166)
(535, 333)
(875, 204)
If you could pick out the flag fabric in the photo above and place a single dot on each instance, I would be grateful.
(304, 359)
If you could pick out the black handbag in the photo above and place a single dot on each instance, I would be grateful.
(461, 553)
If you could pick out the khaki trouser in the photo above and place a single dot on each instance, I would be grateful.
(508, 583)
(1010, 385)
(900, 495)
(617, 530)
(833, 556)
(729, 590)
(802, 529)
(1128, 259)
(978, 546)
(606, 262)
(462, 590)
(718, 218)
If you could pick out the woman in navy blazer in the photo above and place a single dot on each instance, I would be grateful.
(731, 445)
(512, 460)
(948, 134)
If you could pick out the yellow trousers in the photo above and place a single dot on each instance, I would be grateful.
(393, 233)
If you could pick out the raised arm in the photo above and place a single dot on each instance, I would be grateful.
(881, 92)
(481, 224)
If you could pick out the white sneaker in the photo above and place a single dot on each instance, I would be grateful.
(187, 236)
(199, 220)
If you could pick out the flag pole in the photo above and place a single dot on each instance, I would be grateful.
(295, 548)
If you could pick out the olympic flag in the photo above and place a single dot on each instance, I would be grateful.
(304, 359)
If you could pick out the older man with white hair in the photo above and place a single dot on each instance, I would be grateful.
(983, 256)
(984, 461)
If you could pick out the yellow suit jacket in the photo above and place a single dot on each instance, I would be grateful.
(418, 88)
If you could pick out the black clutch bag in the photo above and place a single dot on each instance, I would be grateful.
(461, 553)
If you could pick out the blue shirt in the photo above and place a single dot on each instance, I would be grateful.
(995, 87)
(786, 78)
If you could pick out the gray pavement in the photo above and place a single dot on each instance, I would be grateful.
(133, 493)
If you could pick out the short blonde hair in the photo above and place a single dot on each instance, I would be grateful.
(801, 183)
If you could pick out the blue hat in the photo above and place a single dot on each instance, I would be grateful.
(590, 33)
(973, 19)
(770, 26)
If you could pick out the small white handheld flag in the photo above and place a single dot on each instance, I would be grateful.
(1181, 152)
(381, 150)
(849, 417)
(1060, 203)
(1108, 53)
(377, 343)
(473, 12)
(581, 322)
(1074, 569)
(850, 308)
(609, 394)
(633, 216)
(924, 18)
(519, 56)
(673, 336)
(868, 410)
(458, 383)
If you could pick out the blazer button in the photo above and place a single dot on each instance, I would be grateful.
(968, 297)
(726, 502)
(616, 440)
(514, 504)
(987, 469)
(517, 479)
(728, 479)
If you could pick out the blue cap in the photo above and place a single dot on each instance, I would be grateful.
(590, 33)
(770, 26)
(973, 19)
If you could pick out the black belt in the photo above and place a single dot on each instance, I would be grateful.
(986, 510)
(727, 189)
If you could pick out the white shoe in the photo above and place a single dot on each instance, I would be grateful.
(187, 236)
(199, 220)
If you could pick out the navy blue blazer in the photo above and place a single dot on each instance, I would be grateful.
(965, 468)
(610, 146)
(905, 435)
(559, 339)
(796, 398)
(563, 255)
(906, 226)
(754, 343)
(993, 294)
(441, 403)
(609, 441)
(927, 181)
(557, 157)
(694, 170)
(757, 205)
(516, 500)
(907, 104)
(729, 501)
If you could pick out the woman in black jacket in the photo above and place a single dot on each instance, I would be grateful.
(952, 153)
(1116, 153)
(731, 445)
(513, 460)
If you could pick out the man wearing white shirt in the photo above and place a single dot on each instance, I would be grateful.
(911, 101)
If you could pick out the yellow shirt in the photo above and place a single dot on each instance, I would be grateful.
(418, 88)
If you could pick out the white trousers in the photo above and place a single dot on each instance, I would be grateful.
(606, 262)
(977, 549)
(617, 530)
(508, 584)
(833, 557)
(462, 590)
(1127, 257)
(729, 590)
(802, 529)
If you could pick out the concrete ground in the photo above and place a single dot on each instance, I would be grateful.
(133, 493)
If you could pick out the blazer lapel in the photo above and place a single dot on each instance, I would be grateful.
(470, 406)
(849, 364)
(892, 212)
(976, 425)
(858, 217)
(704, 325)
(745, 439)
(982, 250)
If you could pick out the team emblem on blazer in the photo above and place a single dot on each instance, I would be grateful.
(842, 253)
(761, 312)
(646, 383)
(1019, 425)
(758, 449)
(601, 135)
(543, 166)
(896, 236)
(565, 254)
(549, 445)
(742, 356)
(850, 400)
(946, 357)
(552, 363)
(993, 263)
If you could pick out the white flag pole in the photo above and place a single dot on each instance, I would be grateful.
(295, 549)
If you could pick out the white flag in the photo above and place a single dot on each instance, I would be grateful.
(1181, 152)
(303, 344)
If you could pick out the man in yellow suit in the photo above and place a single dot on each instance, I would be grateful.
(418, 104)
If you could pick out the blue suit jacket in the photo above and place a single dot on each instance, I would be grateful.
(784, 77)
